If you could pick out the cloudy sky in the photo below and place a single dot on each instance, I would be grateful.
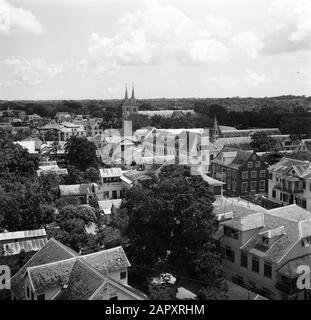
(79, 49)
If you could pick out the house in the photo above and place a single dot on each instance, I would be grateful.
(109, 207)
(111, 185)
(305, 146)
(56, 272)
(30, 146)
(13, 243)
(242, 171)
(261, 251)
(68, 130)
(81, 191)
(62, 117)
(215, 186)
(37, 141)
(46, 167)
(290, 182)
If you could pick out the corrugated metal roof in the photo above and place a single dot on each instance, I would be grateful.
(22, 234)
(110, 172)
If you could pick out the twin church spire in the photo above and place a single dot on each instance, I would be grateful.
(132, 100)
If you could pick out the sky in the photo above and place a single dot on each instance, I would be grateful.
(92, 49)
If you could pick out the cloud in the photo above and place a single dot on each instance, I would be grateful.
(248, 43)
(292, 29)
(222, 81)
(25, 72)
(160, 33)
(15, 20)
(254, 79)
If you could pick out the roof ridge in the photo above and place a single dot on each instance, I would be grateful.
(49, 263)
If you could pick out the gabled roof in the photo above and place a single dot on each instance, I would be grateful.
(84, 281)
(111, 259)
(52, 251)
(295, 227)
(302, 168)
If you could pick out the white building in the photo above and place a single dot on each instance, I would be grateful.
(290, 182)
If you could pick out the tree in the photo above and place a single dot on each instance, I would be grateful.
(261, 142)
(81, 153)
(162, 291)
(170, 218)
(91, 175)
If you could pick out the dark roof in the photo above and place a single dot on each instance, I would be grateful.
(83, 282)
(113, 259)
(52, 251)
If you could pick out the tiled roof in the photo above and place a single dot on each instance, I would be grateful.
(294, 230)
(302, 168)
(291, 212)
(50, 275)
(51, 252)
(83, 282)
(113, 259)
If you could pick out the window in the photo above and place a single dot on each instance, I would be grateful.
(250, 165)
(233, 186)
(106, 194)
(244, 186)
(254, 157)
(41, 296)
(270, 175)
(262, 185)
(255, 265)
(231, 233)
(123, 275)
(254, 174)
(27, 292)
(229, 184)
(229, 254)
(114, 298)
(253, 185)
(273, 193)
(229, 172)
(267, 270)
(262, 173)
(243, 260)
(257, 164)
(234, 176)
(245, 175)
(114, 194)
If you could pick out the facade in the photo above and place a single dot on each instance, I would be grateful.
(111, 185)
(62, 117)
(129, 106)
(261, 251)
(290, 182)
(241, 171)
(68, 130)
(13, 243)
(58, 273)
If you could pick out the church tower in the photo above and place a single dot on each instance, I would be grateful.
(215, 130)
(129, 106)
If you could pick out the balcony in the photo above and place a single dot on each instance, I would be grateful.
(285, 188)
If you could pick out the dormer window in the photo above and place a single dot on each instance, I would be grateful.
(265, 241)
